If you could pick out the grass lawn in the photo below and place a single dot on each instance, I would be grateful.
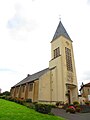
(13, 111)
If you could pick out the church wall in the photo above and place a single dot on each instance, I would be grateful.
(54, 85)
(29, 93)
(68, 76)
(61, 68)
(56, 78)
(58, 63)
(44, 88)
(17, 91)
(12, 91)
(75, 94)
(35, 90)
(22, 91)
(67, 43)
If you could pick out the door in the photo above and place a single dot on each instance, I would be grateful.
(69, 100)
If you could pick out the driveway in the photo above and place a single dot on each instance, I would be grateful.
(69, 116)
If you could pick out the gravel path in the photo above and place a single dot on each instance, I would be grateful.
(69, 116)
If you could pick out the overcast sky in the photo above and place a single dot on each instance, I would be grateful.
(28, 26)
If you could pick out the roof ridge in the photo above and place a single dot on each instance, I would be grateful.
(32, 77)
(39, 71)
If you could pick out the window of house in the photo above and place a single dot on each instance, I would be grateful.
(30, 86)
(23, 88)
(56, 52)
(12, 91)
(17, 89)
(88, 91)
(68, 59)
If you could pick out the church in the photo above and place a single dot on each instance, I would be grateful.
(56, 83)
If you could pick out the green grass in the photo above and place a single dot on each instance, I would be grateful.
(13, 111)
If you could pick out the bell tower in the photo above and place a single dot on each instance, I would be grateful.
(62, 67)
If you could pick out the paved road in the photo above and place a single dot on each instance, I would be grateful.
(68, 116)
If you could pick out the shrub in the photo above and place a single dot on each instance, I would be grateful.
(59, 103)
(72, 107)
(29, 100)
(3, 97)
(71, 110)
(6, 93)
(78, 109)
(43, 108)
(87, 103)
(19, 100)
(51, 114)
(10, 99)
(29, 105)
(34, 103)
(65, 106)
(68, 109)
(76, 103)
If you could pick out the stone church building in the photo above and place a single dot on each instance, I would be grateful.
(58, 82)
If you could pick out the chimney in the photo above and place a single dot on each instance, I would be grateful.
(28, 75)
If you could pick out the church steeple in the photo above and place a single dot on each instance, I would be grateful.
(62, 67)
(61, 31)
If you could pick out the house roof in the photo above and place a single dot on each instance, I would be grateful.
(84, 85)
(88, 84)
(32, 77)
(61, 31)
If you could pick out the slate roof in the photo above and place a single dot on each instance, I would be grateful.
(61, 31)
(31, 78)
(84, 85)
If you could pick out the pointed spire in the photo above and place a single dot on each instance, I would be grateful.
(61, 31)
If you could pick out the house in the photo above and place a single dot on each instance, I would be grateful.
(58, 82)
(85, 91)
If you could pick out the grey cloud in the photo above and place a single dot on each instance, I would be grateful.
(88, 2)
(7, 70)
(19, 26)
(16, 22)
(19, 21)
(86, 75)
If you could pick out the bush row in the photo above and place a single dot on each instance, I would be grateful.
(76, 107)
(42, 108)
(46, 108)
